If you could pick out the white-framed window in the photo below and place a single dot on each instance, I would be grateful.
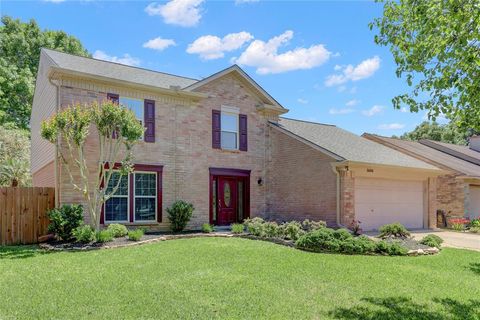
(229, 136)
(145, 196)
(116, 208)
(136, 105)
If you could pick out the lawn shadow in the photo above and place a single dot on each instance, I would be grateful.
(20, 252)
(475, 267)
(405, 308)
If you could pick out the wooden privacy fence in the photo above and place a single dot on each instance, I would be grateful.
(23, 214)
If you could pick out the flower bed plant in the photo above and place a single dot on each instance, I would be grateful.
(458, 224)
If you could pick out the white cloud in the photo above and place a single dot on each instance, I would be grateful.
(184, 13)
(265, 57)
(352, 103)
(391, 126)
(363, 70)
(237, 2)
(404, 110)
(341, 111)
(126, 59)
(302, 101)
(212, 47)
(373, 110)
(159, 43)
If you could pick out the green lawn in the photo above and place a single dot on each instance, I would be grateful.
(208, 278)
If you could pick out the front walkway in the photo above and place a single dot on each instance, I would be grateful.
(461, 240)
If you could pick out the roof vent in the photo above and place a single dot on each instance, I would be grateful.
(474, 143)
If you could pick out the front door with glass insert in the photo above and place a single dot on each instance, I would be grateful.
(229, 199)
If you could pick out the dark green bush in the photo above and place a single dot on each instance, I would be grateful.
(475, 223)
(84, 234)
(432, 240)
(135, 235)
(390, 248)
(179, 214)
(64, 220)
(393, 230)
(342, 234)
(104, 236)
(118, 230)
(237, 228)
(207, 228)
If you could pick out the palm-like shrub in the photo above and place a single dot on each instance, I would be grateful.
(179, 214)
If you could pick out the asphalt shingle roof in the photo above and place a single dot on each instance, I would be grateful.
(117, 71)
(349, 146)
(436, 156)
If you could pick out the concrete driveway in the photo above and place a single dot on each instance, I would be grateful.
(461, 240)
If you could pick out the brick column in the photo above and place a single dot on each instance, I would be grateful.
(347, 197)
(432, 202)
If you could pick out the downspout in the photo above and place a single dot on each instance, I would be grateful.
(56, 173)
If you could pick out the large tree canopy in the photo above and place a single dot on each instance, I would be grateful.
(436, 46)
(20, 45)
(438, 132)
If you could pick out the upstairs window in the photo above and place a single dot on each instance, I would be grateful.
(135, 105)
(229, 133)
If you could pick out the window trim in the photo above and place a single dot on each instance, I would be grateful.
(147, 197)
(115, 196)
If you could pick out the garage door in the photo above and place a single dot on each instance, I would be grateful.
(474, 210)
(382, 201)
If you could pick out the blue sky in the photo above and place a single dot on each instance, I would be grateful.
(317, 58)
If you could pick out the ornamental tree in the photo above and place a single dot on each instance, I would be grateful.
(117, 130)
(436, 46)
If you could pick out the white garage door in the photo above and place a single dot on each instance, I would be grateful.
(381, 201)
(474, 210)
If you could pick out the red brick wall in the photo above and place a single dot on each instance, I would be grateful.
(301, 183)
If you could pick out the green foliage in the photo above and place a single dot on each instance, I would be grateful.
(342, 234)
(104, 236)
(14, 157)
(64, 220)
(118, 230)
(475, 223)
(449, 133)
(288, 230)
(84, 234)
(207, 228)
(309, 225)
(135, 235)
(390, 248)
(73, 124)
(237, 228)
(179, 214)
(474, 230)
(395, 230)
(271, 229)
(20, 45)
(292, 230)
(435, 46)
(432, 240)
(458, 226)
(255, 226)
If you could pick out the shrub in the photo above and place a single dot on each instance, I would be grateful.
(118, 230)
(84, 234)
(342, 234)
(207, 228)
(390, 248)
(292, 230)
(432, 240)
(255, 226)
(179, 214)
(271, 229)
(474, 229)
(475, 223)
(318, 240)
(237, 228)
(458, 226)
(64, 220)
(104, 236)
(135, 235)
(395, 230)
(309, 225)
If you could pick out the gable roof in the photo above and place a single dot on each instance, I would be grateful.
(236, 69)
(348, 146)
(462, 152)
(107, 69)
(429, 154)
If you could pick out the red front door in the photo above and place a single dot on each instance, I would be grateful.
(227, 200)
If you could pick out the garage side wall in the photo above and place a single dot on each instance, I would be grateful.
(301, 183)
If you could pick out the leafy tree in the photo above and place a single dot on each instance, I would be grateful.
(449, 133)
(14, 157)
(116, 129)
(436, 46)
(20, 45)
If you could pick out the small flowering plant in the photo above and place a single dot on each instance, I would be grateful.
(355, 227)
(459, 223)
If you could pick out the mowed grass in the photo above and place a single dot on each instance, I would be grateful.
(207, 278)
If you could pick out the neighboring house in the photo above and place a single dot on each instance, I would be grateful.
(220, 144)
(458, 191)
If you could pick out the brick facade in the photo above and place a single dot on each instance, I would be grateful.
(451, 195)
(347, 197)
(301, 182)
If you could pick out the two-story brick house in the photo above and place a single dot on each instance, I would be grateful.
(221, 144)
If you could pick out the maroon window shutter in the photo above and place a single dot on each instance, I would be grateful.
(116, 99)
(242, 119)
(149, 118)
(216, 129)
